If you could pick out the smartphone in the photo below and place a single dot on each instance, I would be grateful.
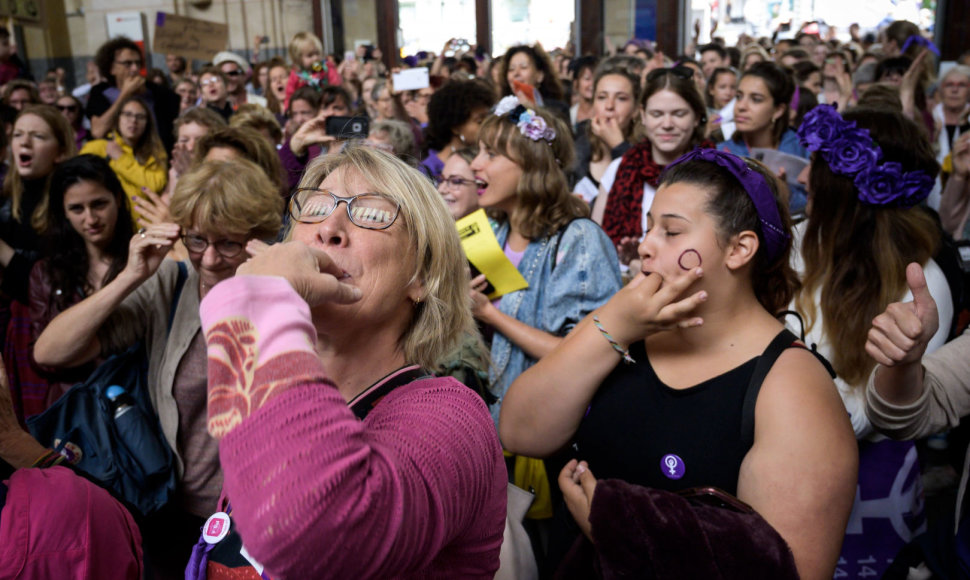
(350, 56)
(348, 127)
(411, 79)
(489, 289)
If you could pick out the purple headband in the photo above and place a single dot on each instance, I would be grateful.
(916, 39)
(775, 235)
(850, 151)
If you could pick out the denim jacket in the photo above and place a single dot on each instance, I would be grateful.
(585, 276)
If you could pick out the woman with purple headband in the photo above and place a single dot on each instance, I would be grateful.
(870, 167)
(686, 378)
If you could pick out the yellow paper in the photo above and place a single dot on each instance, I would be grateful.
(484, 253)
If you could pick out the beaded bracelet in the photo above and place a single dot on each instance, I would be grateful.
(616, 346)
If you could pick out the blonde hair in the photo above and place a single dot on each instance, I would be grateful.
(443, 317)
(232, 197)
(300, 42)
(257, 118)
(545, 202)
(13, 185)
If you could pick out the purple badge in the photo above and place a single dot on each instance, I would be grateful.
(672, 466)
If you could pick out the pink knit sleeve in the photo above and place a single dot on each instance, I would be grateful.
(419, 485)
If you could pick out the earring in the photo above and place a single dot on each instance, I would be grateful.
(462, 137)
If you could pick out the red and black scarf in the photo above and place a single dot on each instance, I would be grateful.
(622, 217)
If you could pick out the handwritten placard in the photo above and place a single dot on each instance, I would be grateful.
(189, 37)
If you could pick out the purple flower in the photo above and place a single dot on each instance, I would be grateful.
(879, 185)
(852, 152)
(914, 188)
(821, 127)
(535, 128)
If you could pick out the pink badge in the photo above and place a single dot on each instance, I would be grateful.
(216, 528)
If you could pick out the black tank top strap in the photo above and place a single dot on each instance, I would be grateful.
(783, 341)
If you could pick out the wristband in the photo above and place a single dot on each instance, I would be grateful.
(616, 346)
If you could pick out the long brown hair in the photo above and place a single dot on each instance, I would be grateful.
(545, 203)
(856, 254)
(633, 132)
(13, 185)
(149, 145)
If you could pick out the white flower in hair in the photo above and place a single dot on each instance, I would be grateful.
(505, 106)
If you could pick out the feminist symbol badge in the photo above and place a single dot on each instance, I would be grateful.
(672, 466)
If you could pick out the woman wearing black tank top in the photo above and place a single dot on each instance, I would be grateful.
(674, 417)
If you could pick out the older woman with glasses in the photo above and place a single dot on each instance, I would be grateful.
(217, 208)
(343, 455)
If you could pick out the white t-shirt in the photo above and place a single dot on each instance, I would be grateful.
(854, 397)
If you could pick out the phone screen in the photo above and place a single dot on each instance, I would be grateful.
(348, 127)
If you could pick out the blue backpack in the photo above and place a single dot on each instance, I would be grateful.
(81, 426)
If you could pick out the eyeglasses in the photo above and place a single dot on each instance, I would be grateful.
(210, 81)
(678, 71)
(140, 117)
(196, 244)
(67, 108)
(454, 181)
(372, 211)
(129, 63)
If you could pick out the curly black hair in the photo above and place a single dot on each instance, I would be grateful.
(451, 106)
(105, 56)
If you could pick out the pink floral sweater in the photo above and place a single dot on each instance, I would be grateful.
(416, 490)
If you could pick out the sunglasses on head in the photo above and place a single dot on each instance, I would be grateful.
(678, 71)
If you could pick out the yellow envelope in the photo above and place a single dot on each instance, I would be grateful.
(484, 253)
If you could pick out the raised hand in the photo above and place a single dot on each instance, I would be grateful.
(480, 301)
(900, 334)
(649, 304)
(608, 129)
(151, 207)
(113, 150)
(132, 85)
(148, 248)
(309, 271)
(313, 132)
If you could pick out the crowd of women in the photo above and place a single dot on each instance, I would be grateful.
(704, 249)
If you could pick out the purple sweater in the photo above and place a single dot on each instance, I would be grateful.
(416, 490)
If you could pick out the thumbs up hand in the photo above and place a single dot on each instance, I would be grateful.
(900, 334)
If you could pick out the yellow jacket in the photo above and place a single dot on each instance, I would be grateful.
(132, 175)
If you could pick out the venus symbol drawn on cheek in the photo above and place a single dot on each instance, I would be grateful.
(689, 259)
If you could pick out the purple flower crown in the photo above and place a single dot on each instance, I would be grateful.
(531, 125)
(850, 151)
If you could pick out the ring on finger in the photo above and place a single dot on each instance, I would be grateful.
(141, 232)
